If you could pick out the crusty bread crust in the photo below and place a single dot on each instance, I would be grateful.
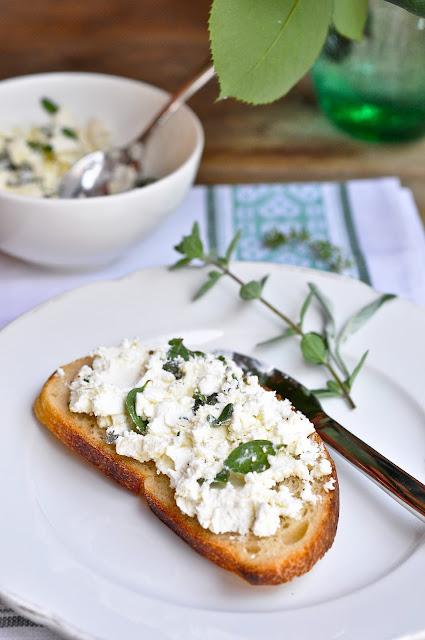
(292, 551)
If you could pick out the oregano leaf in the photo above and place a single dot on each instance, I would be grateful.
(49, 106)
(225, 416)
(325, 393)
(286, 334)
(329, 325)
(350, 380)
(334, 387)
(68, 132)
(213, 278)
(191, 246)
(183, 262)
(360, 318)
(305, 307)
(140, 425)
(232, 246)
(177, 349)
(253, 289)
(248, 457)
(313, 348)
(41, 147)
(326, 307)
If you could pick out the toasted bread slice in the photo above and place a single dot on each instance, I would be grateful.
(292, 551)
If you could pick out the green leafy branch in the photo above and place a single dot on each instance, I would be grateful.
(261, 49)
(322, 349)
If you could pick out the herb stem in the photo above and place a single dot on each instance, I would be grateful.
(340, 383)
(281, 315)
(289, 322)
(265, 302)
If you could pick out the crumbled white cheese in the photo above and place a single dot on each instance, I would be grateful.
(329, 485)
(34, 158)
(185, 444)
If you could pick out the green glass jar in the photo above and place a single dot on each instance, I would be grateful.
(375, 89)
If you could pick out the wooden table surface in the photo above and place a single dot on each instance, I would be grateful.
(160, 41)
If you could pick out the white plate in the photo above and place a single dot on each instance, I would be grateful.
(86, 558)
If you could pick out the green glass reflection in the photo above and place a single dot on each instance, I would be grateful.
(375, 89)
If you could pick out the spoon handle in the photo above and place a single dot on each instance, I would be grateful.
(399, 484)
(182, 95)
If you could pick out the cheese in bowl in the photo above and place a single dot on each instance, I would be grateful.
(238, 458)
(34, 158)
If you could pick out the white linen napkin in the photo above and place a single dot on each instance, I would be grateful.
(374, 222)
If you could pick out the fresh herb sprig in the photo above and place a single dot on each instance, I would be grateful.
(327, 253)
(41, 147)
(175, 354)
(323, 348)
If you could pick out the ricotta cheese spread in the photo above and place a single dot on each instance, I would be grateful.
(34, 158)
(238, 458)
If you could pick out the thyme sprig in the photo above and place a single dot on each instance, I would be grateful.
(318, 348)
(330, 255)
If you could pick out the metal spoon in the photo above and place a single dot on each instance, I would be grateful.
(400, 485)
(90, 175)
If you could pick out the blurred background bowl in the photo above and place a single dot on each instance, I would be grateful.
(85, 233)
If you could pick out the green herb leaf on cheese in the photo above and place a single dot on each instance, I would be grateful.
(201, 399)
(225, 416)
(69, 133)
(49, 106)
(178, 350)
(41, 147)
(325, 393)
(173, 366)
(140, 425)
(248, 457)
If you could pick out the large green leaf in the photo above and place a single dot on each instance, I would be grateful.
(414, 6)
(349, 17)
(261, 48)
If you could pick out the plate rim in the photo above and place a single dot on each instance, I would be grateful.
(58, 624)
(250, 263)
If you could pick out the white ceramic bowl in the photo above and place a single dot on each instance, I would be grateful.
(88, 232)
